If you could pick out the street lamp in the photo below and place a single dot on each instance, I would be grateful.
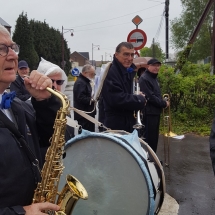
(66, 30)
(109, 55)
(94, 46)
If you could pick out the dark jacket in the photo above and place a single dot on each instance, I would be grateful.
(17, 177)
(82, 96)
(150, 87)
(118, 98)
(212, 145)
(19, 87)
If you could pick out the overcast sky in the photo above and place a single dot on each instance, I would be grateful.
(100, 22)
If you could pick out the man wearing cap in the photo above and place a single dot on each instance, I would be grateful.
(149, 85)
(18, 85)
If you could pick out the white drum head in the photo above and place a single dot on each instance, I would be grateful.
(115, 178)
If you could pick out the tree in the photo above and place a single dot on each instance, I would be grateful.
(48, 44)
(24, 37)
(38, 40)
(183, 27)
(148, 52)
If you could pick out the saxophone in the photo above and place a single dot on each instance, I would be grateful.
(47, 189)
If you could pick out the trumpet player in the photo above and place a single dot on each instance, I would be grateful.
(149, 85)
(118, 98)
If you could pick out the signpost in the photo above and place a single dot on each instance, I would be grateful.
(75, 72)
(137, 36)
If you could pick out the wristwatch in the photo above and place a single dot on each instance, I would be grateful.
(19, 210)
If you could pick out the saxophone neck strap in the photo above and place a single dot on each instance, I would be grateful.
(90, 118)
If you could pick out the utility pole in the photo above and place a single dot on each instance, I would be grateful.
(167, 27)
(153, 47)
(187, 50)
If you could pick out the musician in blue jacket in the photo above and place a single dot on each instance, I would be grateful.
(18, 175)
(119, 100)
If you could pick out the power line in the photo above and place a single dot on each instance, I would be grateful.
(117, 17)
(160, 26)
(112, 25)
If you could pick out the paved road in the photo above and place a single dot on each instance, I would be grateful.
(189, 178)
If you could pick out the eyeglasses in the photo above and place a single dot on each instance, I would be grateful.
(58, 82)
(5, 49)
(126, 54)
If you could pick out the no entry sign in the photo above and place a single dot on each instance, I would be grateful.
(138, 38)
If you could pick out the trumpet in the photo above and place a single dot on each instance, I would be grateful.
(138, 124)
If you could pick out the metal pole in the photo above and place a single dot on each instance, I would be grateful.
(62, 50)
(92, 54)
(167, 27)
(213, 46)
(153, 47)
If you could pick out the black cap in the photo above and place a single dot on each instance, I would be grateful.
(153, 61)
(22, 64)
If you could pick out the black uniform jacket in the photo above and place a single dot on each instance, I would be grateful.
(82, 96)
(19, 87)
(119, 100)
(17, 177)
(150, 87)
(212, 145)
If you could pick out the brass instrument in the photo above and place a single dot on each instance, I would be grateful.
(138, 124)
(167, 130)
(47, 189)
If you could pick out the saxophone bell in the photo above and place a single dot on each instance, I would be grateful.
(71, 192)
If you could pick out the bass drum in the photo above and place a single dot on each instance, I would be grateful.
(120, 172)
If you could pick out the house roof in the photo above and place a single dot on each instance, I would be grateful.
(85, 55)
(2, 22)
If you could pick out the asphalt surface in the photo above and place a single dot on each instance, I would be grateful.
(189, 177)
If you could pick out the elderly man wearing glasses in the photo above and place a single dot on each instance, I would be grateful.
(119, 100)
(21, 132)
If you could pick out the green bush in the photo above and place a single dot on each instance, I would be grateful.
(192, 95)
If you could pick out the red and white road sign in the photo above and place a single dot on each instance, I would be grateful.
(138, 38)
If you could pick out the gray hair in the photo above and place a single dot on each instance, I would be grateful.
(124, 44)
(4, 30)
(86, 68)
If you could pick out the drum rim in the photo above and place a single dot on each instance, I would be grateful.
(86, 134)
